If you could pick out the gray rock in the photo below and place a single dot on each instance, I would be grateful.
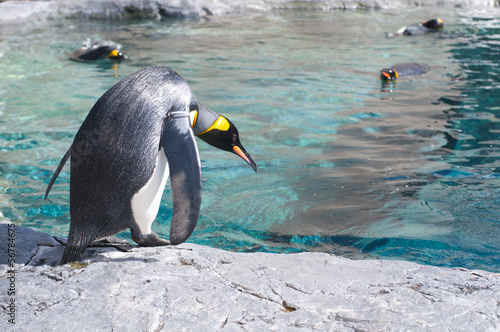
(196, 288)
(23, 242)
(21, 11)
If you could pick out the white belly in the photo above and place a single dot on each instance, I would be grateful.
(146, 202)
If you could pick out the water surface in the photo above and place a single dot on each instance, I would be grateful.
(347, 165)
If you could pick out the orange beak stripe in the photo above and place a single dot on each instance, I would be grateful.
(240, 153)
(386, 75)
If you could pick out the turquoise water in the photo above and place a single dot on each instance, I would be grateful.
(349, 166)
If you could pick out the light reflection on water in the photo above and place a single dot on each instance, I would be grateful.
(346, 165)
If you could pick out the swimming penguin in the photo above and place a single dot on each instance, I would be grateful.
(97, 52)
(403, 70)
(419, 29)
(137, 134)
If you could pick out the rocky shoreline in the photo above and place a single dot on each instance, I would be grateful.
(190, 287)
(18, 12)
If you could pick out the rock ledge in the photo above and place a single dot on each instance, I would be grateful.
(14, 11)
(196, 288)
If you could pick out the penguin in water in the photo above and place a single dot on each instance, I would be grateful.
(403, 70)
(97, 52)
(140, 132)
(419, 29)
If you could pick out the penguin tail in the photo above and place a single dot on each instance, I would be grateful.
(74, 249)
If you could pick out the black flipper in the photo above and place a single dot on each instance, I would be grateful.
(178, 142)
(58, 170)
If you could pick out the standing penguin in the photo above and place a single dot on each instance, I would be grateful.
(136, 135)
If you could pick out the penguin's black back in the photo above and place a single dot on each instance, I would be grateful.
(94, 53)
(424, 27)
(410, 69)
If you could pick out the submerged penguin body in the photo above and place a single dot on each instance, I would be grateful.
(403, 70)
(137, 135)
(97, 52)
(419, 29)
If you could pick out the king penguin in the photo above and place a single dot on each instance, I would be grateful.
(403, 70)
(140, 132)
(97, 52)
(419, 29)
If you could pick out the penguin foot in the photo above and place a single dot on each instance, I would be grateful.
(110, 241)
(149, 240)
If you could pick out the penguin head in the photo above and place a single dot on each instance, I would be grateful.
(115, 54)
(97, 52)
(388, 74)
(222, 134)
(435, 24)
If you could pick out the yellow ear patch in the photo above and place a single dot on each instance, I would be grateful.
(395, 72)
(220, 124)
(113, 54)
(193, 116)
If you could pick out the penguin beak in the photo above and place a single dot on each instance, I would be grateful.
(386, 75)
(240, 151)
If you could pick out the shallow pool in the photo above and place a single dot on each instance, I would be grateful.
(347, 165)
